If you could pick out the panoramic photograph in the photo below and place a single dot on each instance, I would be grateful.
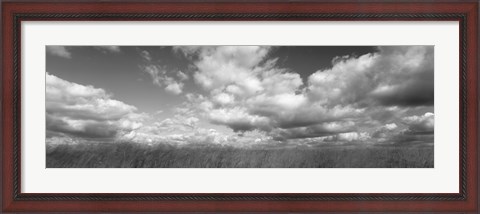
(239, 106)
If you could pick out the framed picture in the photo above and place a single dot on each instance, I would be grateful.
(245, 107)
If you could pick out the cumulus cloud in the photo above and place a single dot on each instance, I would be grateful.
(347, 137)
(238, 119)
(109, 49)
(396, 75)
(410, 81)
(374, 97)
(60, 51)
(173, 86)
(387, 132)
(87, 112)
(248, 91)
(415, 129)
(317, 130)
(423, 124)
(353, 136)
(177, 123)
(245, 88)
(182, 76)
(275, 81)
(221, 66)
(346, 82)
(197, 137)
(223, 98)
(81, 128)
(391, 126)
(201, 137)
(160, 78)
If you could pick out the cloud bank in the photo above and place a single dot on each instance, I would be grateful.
(86, 112)
(383, 97)
(248, 91)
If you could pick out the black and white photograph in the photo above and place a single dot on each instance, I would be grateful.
(239, 106)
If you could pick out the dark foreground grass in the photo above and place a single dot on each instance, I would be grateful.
(130, 155)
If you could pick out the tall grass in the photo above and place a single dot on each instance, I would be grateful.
(130, 155)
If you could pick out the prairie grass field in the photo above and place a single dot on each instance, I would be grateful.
(131, 155)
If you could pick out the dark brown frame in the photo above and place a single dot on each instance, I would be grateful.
(14, 12)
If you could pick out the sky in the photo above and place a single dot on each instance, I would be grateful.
(241, 96)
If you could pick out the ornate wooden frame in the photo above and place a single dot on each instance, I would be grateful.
(14, 12)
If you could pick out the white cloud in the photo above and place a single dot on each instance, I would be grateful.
(244, 86)
(360, 98)
(146, 55)
(156, 73)
(353, 136)
(221, 66)
(313, 131)
(278, 82)
(391, 126)
(241, 81)
(223, 98)
(182, 76)
(280, 102)
(86, 112)
(238, 119)
(415, 129)
(201, 136)
(396, 75)
(345, 83)
(82, 101)
(420, 124)
(161, 79)
(109, 49)
(60, 51)
(177, 123)
(174, 87)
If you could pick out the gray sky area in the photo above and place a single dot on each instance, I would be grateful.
(241, 95)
